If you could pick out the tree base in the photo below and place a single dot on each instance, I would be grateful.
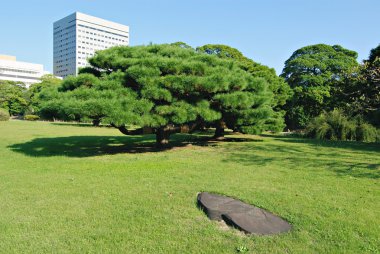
(220, 138)
(162, 137)
(96, 122)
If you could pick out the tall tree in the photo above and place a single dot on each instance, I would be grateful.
(361, 92)
(315, 72)
(164, 87)
(368, 99)
(374, 54)
(280, 90)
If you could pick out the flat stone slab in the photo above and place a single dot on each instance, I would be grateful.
(248, 218)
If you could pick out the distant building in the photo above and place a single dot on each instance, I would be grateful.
(78, 36)
(27, 73)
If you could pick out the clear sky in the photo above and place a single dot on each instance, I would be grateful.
(268, 31)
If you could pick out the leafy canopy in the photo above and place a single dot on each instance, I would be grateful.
(361, 92)
(43, 91)
(374, 54)
(314, 72)
(13, 97)
(279, 89)
(162, 86)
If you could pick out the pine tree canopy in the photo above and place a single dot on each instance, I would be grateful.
(276, 85)
(164, 87)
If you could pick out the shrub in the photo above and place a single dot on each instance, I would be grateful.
(31, 117)
(366, 133)
(4, 115)
(335, 125)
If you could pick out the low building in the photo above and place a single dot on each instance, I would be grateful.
(26, 73)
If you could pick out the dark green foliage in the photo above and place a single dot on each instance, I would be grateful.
(84, 80)
(367, 133)
(4, 115)
(42, 92)
(280, 90)
(332, 125)
(13, 97)
(359, 94)
(223, 51)
(89, 70)
(164, 87)
(296, 113)
(181, 44)
(316, 73)
(335, 125)
(70, 102)
(31, 117)
(367, 97)
(18, 100)
(374, 54)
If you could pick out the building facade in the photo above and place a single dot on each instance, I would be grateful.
(78, 36)
(13, 70)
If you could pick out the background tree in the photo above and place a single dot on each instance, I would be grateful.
(40, 92)
(370, 95)
(315, 72)
(280, 90)
(13, 97)
(361, 91)
(164, 87)
(375, 53)
(181, 44)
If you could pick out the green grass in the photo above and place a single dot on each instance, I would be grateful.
(78, 189)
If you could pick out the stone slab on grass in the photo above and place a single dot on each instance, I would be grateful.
(248, 218)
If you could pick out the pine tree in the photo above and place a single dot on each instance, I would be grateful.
(164, 87)
(277, 88)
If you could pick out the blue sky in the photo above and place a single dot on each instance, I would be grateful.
(268, 31)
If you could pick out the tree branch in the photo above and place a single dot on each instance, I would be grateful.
(125, 131)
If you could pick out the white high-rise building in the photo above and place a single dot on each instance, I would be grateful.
(78, 36)
(26, 73)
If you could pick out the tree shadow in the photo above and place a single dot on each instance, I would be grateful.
(351, 145)
(310, 156)
(86, 146)
(344, 158)
(88, 125)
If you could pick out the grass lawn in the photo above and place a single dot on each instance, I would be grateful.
(78, 189)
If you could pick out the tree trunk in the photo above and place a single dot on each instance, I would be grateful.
(125, 131)
(96, 122)
(219, 130)
(162, 136)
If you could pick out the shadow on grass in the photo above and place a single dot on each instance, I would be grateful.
(88, 125)
(345, 161)
(86, 146)
(351, 145)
